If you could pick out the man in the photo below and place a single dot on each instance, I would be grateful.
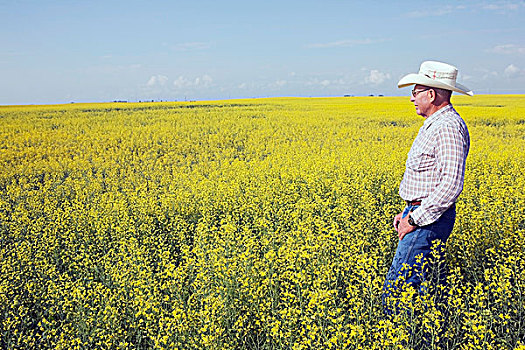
(433, 178)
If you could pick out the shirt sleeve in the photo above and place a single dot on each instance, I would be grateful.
(451, 154)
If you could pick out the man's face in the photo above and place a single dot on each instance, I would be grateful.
(421, 99)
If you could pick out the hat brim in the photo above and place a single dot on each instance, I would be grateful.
(413, 78)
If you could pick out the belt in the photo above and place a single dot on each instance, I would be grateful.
(413, 203)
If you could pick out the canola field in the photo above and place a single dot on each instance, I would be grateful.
(248, 224)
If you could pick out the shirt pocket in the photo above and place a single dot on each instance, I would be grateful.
(421, 160)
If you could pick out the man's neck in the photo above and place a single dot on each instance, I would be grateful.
(434, 108)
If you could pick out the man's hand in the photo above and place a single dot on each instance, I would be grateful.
(397, 219)
(402, 226)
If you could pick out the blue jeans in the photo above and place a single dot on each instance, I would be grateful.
(415, 261)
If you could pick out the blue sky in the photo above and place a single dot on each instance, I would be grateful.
(88, 51)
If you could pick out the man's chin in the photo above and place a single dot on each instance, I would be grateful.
(419, 112)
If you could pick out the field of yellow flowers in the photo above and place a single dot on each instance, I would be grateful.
(247, 224)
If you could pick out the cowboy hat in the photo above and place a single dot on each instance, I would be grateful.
(435, 74)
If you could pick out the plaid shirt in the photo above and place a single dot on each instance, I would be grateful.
(435, 166)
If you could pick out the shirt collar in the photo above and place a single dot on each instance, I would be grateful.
(435, 116)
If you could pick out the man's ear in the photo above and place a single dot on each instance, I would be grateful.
(433, 95)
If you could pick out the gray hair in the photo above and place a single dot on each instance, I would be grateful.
(443, 94)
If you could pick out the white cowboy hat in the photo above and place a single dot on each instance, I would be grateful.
(435, 74)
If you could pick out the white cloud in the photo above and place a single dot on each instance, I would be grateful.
(466, 77)
(490, 75)
(435, 12)
(344, 43)
(191, 46)
(504, 6)
(501, 7)
(512, 71)
(376, 77)
(507, 49)
(157, 80)
(181, 82)
(280, 83)
(203, 82)
(336, 83)
(481, 74)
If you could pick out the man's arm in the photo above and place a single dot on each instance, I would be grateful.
(451, 153)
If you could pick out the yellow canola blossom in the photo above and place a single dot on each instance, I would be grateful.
(248, 224)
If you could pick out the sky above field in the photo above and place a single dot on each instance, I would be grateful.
(90, 51)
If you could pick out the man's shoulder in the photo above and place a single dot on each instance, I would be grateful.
(449, 118)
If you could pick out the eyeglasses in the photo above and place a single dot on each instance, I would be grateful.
(414, 92)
